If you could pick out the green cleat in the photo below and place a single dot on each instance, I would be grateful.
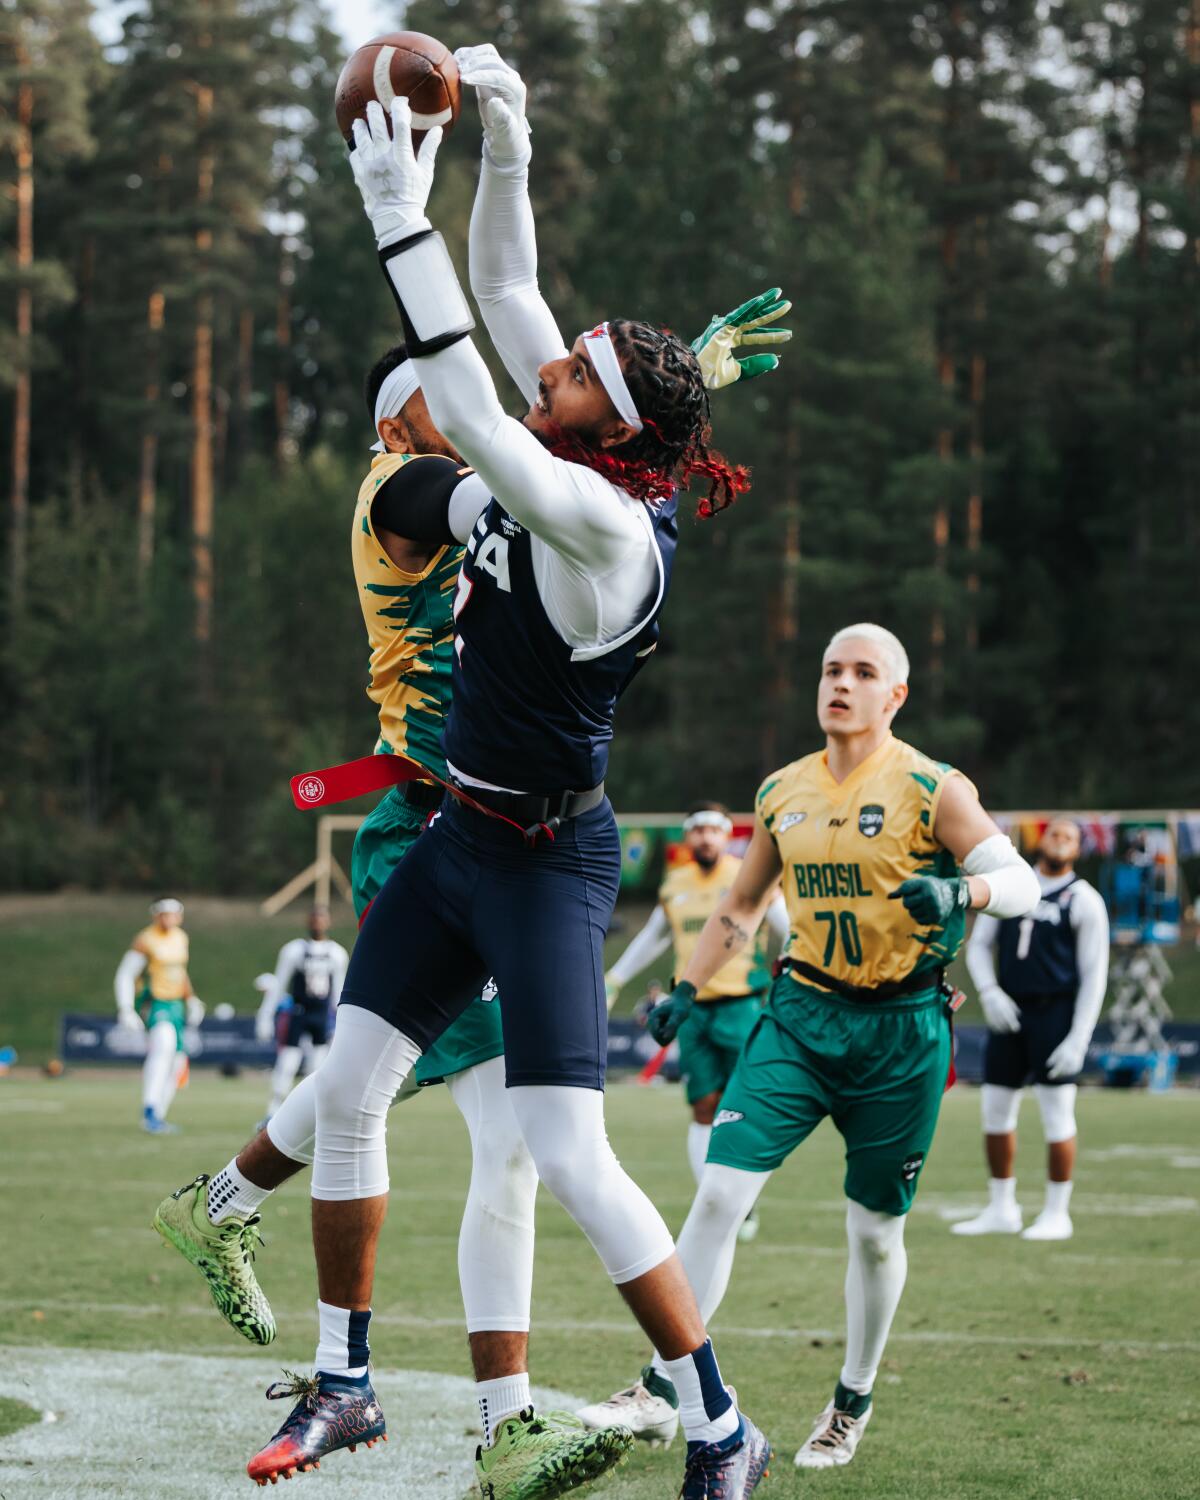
(222, 1254)
(536, 1458)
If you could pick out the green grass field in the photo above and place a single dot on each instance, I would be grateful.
(59, 953)
(1065, 1371)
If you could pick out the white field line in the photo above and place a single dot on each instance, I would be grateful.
(624, 1327)
(169, 1426)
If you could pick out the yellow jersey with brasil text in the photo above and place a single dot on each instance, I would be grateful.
(166, 961)
(410, 627)
(689, 896)
(845, 847)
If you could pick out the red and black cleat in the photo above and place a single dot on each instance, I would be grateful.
(331, 1413)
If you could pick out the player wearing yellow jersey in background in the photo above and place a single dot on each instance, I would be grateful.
(160, 951)
(869, 837)
(711, 1040)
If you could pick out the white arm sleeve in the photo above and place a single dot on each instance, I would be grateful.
(1089, 916)
(1013, 887)
(573, 510)
(127, 972)
(341, 961)
(653, 940)
(777, 921)
(290, 956)
(981, 952)
(503, 267)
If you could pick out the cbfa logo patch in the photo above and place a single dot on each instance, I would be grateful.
(911, 1166)
(789, 820)
(870, 820)
(728, 1117)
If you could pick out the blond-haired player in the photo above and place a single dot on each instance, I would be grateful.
(160, 952)
(881, 852)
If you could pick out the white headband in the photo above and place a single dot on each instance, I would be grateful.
(398, 386)
(604, 359)
(709, 818)
(168, 903)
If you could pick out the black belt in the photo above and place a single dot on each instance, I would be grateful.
(911, 984)
(423, 795)
(531, 812)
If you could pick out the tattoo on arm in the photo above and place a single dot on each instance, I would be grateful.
(735, 936)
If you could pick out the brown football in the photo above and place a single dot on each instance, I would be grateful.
(404, 62)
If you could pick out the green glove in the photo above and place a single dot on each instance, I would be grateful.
(717, 347)
(931, 899)
(668, 1015)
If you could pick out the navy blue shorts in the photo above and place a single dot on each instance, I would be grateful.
(313, 1024)
(1012, 1059)
(470, 902)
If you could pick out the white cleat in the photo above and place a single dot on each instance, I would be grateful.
(652, 1419)
(1050, 1226)
(992, 1220)
(833, 1440)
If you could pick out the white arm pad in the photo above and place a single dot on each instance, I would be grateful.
(653, 940)
(1010, 880)
(127, 971)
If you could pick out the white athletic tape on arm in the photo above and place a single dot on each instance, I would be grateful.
(603, 355)
(1012, 883)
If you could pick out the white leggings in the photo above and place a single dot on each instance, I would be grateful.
(287, 1065)
(1056, 1102)
(162, 1069)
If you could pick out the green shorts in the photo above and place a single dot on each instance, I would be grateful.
(711, 1041)
(174, 1011)
(877, 1070)
(382, 841)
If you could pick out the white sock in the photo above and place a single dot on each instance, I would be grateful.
(875, 1278)
(697, 1147)
(1058, 1197)
(501, 1398)
(343, 1348)
(230, 1192)
(1003, 1192)
(705, 1406)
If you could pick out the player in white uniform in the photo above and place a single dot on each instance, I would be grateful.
(309, 971)
(1041, 1010)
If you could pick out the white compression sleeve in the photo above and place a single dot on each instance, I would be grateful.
(564, 1130)
(708, 1238)
(503, 269)
(368, 1061)
(778, 924)
(875, 1278)
(291, 956)
(1089, 917)
(698, 1137)
(128, 969)
(292, 1129)
(1013, 887)
(174, 1078)
(283, 1075)
(341, 962)
(161, 1046)
(981, 951)
(654, 939)
(495, 1243)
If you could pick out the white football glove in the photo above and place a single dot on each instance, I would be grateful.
(196, 1010)
(129, 1020)
(1068, 1057)
(1000, 1011)
(501, 93)
(393, 179)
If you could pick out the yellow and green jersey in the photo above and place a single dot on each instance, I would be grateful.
(689, 896)
(410, 627)
(166, 961)
(845, 847)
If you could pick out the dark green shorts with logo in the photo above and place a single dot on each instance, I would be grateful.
(711, 1041)
(877, 1070)
(382, 841)
(174, 1011)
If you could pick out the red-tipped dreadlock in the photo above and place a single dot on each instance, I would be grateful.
(664, 379)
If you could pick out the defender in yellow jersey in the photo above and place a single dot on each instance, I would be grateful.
(711, 1040)
(166, 1004)
(869, 838)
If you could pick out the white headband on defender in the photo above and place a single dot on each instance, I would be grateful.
(599, 346)
(709, 818)
(168, 903)
(393, 396)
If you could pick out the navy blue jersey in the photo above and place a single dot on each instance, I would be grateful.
(528, 711)
(1036, 954)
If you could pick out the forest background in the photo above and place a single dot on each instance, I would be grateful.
(985, 433)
